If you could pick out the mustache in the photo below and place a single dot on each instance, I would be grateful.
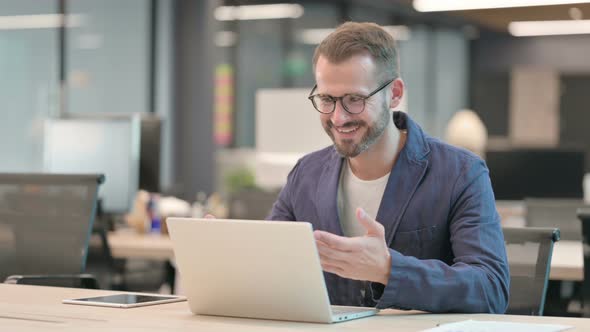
(347, 124)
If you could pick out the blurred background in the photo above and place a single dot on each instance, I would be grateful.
(202, 104)
(212, 73)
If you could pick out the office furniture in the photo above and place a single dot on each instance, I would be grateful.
(529, 253)
(110, 145)
(252, 204)
(28, 308)
(567, 262)
(543, 173)
(555, 212)
(45, 222)
(127, 260)
(563, 296)
(584, 215)
(87, 281)
(126, 243)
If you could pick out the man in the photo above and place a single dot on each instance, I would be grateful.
(402, 220)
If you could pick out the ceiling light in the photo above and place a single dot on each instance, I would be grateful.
(42, 21)
(449, 5)
(548, 28)
(258, 12)
(315, 36)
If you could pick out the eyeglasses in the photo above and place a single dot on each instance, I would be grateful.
(352, 103)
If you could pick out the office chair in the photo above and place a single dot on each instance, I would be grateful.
(555, 212)
(45, 224)
(253, 203)
(563, 296)
(529, 253)
(584, 216)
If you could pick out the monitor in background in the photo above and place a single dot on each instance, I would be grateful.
(542, 173)
(107, 145)
(149, 157)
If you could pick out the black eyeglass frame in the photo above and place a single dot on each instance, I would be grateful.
(335, 99)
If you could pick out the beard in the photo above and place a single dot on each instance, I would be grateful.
(347, 148)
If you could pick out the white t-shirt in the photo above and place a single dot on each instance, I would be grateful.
(353, 193)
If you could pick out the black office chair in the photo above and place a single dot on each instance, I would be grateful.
(584, 216)
(45, 224)
(529, 253)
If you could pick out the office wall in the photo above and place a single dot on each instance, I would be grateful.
(271, 54)
(575, 113)
(107, 68)
(194, 59)
(450, 75)
(259, 61)
(495, 56)
(29, 79)
(107, 58)
(499, 52)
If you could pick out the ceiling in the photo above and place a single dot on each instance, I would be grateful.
(498, 19)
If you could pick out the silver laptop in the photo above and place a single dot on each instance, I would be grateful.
(254, 269)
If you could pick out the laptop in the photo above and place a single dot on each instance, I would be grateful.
(254, 269)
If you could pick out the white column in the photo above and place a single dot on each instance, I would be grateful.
(534, 107)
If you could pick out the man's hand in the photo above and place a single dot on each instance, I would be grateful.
(362, 258)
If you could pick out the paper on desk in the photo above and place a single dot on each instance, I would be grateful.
(492, 326)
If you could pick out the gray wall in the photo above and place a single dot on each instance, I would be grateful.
(566, 54)
(434, 64)
(495, 55)
(28, 86)
(107, 58)
(194, 58)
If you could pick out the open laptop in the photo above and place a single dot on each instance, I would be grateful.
(254, 269)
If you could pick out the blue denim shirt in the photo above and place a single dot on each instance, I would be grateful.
(441, 225)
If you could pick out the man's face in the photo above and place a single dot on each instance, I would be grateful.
(353, 134)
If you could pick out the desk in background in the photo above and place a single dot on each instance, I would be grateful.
(36, 308)
(567, 262)
(130, 244)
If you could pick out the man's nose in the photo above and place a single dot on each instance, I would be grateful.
(340, 116)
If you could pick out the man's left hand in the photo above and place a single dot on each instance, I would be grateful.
(362, 258)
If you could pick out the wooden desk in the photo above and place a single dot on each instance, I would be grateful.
(35, 308)
(567, 262)
(129, 244)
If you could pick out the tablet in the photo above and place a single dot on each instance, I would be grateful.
(126, 300)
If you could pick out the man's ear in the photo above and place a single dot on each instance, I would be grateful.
(397, 92)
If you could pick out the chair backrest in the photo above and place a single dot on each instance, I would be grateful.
(584, 216)
(45, 222)
(529, 251)
(254, 204)
(555, 212)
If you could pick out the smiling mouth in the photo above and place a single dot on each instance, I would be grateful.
(347, 130)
